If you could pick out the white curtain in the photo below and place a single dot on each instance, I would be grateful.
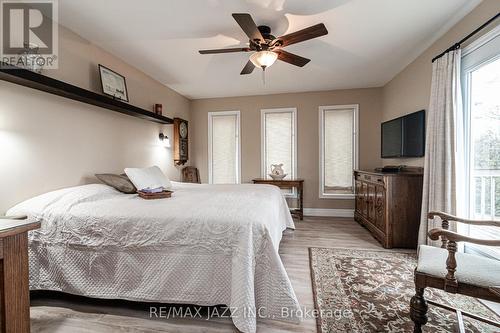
(444, 147)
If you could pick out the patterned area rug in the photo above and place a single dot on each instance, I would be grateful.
(370, 291)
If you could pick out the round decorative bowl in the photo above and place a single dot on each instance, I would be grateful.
(277, 177)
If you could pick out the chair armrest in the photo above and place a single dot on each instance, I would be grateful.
(436, 233)
(448, 217)
(14, 217)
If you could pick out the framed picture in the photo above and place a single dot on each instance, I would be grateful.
(113, 84)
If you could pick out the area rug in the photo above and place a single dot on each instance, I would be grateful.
(370, 291)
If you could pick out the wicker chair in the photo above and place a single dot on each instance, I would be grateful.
(458, 273)
(190, 175)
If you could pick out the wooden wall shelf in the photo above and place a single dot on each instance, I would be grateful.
(47, 84)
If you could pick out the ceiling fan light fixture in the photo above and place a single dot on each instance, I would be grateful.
(263, 59)
(262, 43)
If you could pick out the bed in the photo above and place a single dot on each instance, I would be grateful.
(206, 245)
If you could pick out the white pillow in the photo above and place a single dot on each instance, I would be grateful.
(150, 178)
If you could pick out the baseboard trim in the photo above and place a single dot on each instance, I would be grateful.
(328, 212)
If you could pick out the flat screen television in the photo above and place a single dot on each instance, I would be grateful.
(404, 136)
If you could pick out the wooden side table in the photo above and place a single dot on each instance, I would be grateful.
(288, 184)
(14, 275)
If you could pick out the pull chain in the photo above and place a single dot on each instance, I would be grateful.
(264, 75)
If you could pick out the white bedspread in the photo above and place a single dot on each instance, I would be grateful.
(207, 245)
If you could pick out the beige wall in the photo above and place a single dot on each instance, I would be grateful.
(409, 91)
(307, 104)
(49, 142)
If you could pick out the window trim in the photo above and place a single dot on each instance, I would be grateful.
(465, 77)
(481, 41)
(211, 115)
(322, 109)
(263, 166)
(465, 74)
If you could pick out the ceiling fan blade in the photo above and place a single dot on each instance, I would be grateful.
(292, 58)
(248, 68)
(303, 35)
(248, 25)
(228, 50)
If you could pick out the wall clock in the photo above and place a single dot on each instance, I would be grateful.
(181, 151)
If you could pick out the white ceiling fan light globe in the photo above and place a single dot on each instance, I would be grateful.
(263, 59)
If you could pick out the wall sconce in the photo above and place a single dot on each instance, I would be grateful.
(165, 141)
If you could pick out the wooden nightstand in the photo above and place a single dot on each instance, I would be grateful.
(14, 275)
(288, 184)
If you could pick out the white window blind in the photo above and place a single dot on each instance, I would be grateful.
(224, 147)
(278, 141)
(338, 150)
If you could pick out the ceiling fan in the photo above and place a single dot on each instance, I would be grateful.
(268, 48)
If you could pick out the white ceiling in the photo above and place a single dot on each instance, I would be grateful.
(369, 41)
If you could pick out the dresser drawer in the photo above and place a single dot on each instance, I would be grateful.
(369, 178)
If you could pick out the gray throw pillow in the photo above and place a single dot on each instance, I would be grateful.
(119, 182)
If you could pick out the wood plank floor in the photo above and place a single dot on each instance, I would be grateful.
(61, 315)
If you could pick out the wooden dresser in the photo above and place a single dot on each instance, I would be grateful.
(388, 205)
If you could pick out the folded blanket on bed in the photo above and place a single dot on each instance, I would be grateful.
(153, 190)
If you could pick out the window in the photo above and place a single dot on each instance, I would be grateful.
(224, 147)
(279, 141)
(481, 84)
(338, 127)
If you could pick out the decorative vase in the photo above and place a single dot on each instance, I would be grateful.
(277, 172)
